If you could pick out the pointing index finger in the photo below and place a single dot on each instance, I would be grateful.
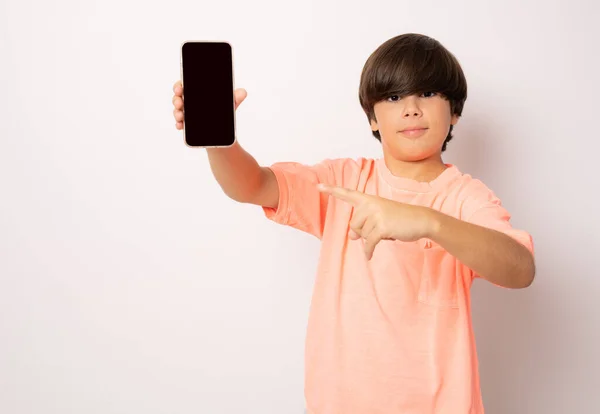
(350, 196)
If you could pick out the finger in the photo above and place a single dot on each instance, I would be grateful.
(178, 88)
(349, 196)
(178, 115)
(359, 217)
(368, 227)
(353, 235)
(177, 102)
(239, 95)
(371, 243)
(179, 125)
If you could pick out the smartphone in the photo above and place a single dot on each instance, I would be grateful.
(208, 100)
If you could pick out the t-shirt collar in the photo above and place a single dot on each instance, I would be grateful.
(407, 184)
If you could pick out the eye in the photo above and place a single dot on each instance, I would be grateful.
(393, 98)
(428, 94)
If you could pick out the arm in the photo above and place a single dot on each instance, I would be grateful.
(242, 178)
(493, 255)
(236, 171)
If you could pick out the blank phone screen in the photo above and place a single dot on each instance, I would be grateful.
(208, 101)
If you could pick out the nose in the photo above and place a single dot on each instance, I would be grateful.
(411, 107)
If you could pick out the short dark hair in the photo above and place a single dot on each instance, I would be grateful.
(412, 64)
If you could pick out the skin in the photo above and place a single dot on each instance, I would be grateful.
(491, 254)
(418, 158)
(237, 172)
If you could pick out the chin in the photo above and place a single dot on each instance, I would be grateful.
(411, 154)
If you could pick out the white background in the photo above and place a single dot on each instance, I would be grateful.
(129, 283)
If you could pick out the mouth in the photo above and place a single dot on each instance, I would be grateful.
(413, 132)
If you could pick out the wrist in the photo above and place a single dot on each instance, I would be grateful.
(223, 150)
(433, 219)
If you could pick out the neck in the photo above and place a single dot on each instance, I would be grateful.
(425, 170)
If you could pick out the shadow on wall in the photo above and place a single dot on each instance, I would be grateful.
(515, 329)
(535, 344)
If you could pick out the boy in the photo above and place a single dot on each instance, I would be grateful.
(403, 238)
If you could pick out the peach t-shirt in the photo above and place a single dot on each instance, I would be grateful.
(394, 334)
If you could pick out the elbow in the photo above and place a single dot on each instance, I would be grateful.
(525, 283)
(527, 274)
(530, 278)
(519, 276)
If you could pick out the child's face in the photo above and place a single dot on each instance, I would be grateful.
(429, 112)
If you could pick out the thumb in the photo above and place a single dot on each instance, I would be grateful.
(353, 235)
(239, 96)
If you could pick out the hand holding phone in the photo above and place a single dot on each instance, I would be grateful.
(239, 95)
(208, 115)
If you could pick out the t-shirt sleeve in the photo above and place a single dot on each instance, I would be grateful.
(301, 205)
(491, 214)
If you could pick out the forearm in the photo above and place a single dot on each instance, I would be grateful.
(236, 171)
(493, 255)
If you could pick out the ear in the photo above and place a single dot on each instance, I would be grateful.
(374, 125)
(455, 119)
